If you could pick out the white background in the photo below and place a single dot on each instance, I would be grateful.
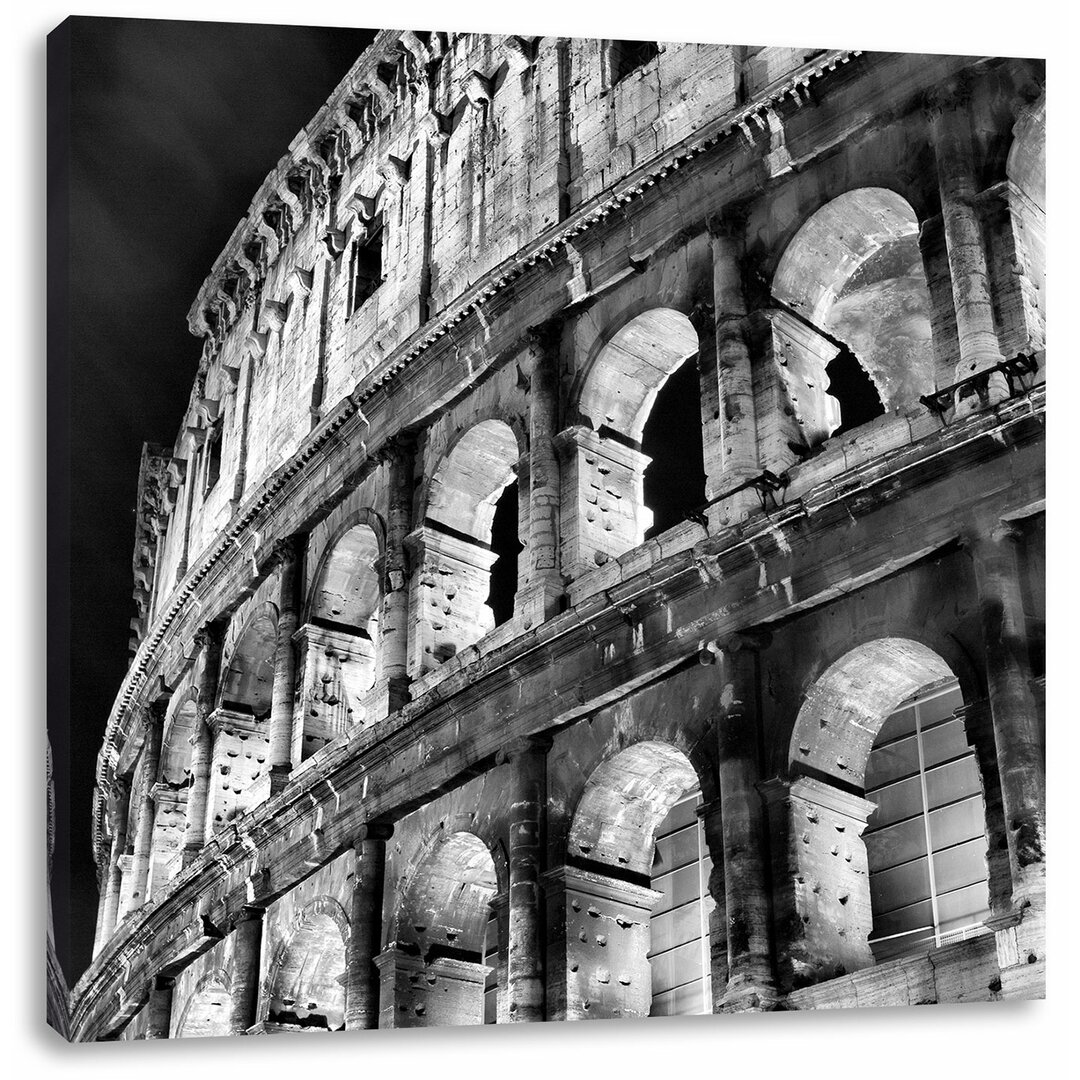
(1023, 1041)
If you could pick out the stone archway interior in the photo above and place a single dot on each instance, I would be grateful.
(208, 1013)
(854, 270)
(249, 681)
(307, 990)
(629, 371)
(445, 908)
(847, 705)
(624, 800)
(176, 745)
(347, 592)
(468, 482)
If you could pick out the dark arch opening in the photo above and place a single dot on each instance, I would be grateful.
(674, 484)
(506, 546)
(854, 389)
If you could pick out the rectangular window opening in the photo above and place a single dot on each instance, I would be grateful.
(365, 267)
(628, 56)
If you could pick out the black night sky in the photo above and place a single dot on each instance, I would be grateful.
(173, 127)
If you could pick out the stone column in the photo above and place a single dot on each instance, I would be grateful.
(727, 389)
(1020, 753)
(391, 689)
(159, 1009)
(527, 761)
(135, 882)
(246, 954)
(365, 938)
(544, 589)
(119, 800)
(950, 123)
(751, 984)
(283, 700)
(202, 747)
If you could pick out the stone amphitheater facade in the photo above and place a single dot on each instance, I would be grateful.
(443, 708)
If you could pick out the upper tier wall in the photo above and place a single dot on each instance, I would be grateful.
(462, 149)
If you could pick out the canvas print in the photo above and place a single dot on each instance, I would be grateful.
(585, 558)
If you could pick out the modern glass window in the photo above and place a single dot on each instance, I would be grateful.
(926, 842)
(679, 952)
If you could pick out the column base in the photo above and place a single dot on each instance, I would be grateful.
(279, 778)
(745, 993)
(386, 697)
(538, 602)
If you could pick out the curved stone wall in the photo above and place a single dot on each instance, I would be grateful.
(381, 735)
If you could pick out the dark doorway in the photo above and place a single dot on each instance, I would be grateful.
(505, 544)
(675, 479)
(854, 389)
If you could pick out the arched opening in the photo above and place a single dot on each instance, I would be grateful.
(469, 547)
(207, 1013)
(249, 678)
(306, 990)
(435, 972)
(346, 590)
(637, 856)
(854, 272)
(240, 724)
(337, 643)
(674, 482)
(170, 805)
(506, 548)
(882, 722)
(632, 477)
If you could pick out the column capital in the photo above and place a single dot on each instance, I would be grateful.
(373, 830)
(285, 550)
(249, 913)
(545, 337)
(990, 532)
(703, 319)
(399, 449)
(527, 745)
(742, 641)
(728, 224)
(155, 712)
(949, 96)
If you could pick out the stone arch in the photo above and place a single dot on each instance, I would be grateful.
(854, 270)
(625, 875)
(338, 639)
(248, 679)
(845, 707)
(857, 756)
(479, 462)
(170, 806)
(345, 589)
(208, 1011)
(605, 512)
(180, 727)
(630, 365)
(627, 795)
(433, 973)
(305, 982)
(455, 548)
